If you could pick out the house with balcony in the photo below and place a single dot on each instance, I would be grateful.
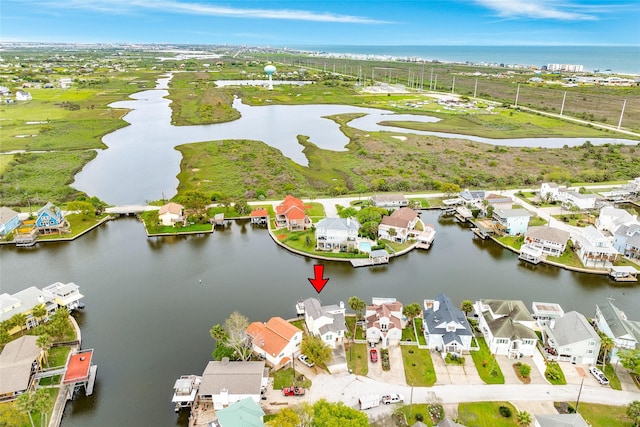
(594, 249)
(326, 322)
(398, 226)
(389, 200)
(20, 360)
(614, 323)
(9, 220)
(571, 338)
(336, 233)
(276, 341)
(384, 321)
(446, 328)
(291, 214)
(226, 382)
(507, 327)
(511, 221)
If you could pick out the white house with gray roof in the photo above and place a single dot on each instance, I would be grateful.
(613, 322)
(446, 328)
(326, 322)
(507, 327)
(571, 338)
(336, 233)
(225, 382)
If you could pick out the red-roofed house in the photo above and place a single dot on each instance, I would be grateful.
(277, 340)
(384, 321)
(170, 213)
(259, 216)
(291, 214)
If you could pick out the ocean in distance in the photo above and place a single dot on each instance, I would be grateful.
(617, 59)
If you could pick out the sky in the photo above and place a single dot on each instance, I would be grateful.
(328, 22)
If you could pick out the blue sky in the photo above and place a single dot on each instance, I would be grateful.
(329, 22)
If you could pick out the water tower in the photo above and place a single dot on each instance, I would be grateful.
(270, 69)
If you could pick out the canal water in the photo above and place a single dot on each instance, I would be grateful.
(150, 302)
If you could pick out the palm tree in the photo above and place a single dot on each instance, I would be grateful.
(523, 419)
(606, 345)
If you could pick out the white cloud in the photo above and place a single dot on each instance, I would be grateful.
(540, 9)
(195, 8)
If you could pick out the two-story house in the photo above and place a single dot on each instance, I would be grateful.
(277, 341)
(511, 221)
(336, 233)
(613, 323)
(594, 248)
(326, 322)
(446, 328)
(398, 226)
(292, 215)
(384, 321)
(571, 338)
(507, 327)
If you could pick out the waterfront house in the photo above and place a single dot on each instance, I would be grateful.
(292, 215)
(384, 321)
(23, 96)
(49, 219)
(398, 226)
(326, 322)
(225, 382)
(446, 328)
(336, 233)
(244, 413)
(594, 248)
(511, 221)
(623, 240)
(559, 420)
(171, 213)
(9, 220)
(259, 216)
(543, 312)
(571, 338)
(507, 327)
(613, 322)
(610, 219)
(550, 240)
(389, 200)
(19, 361)
(276, 341)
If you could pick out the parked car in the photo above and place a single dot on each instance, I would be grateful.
(305, 361)
(599, 375)
(373, 355)
(293, 391)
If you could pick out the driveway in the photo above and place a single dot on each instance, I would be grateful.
(395, 375)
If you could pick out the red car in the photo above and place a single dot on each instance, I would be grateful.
(373, 355)
(293, 391)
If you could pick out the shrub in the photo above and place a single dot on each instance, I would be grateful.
(505, 411)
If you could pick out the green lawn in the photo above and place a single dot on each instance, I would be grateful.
(486, 364)
(357, 358)
(418, 366)
(605, 415)
(485, 414)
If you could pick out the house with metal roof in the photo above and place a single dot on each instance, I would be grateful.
(571, 338)
(326, 322)
(446, 328)
(19, 361)
(277, 341)
(507, 327)
(336, 233)
(614, 323)
(225, 382)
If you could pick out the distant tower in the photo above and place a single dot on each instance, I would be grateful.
(270, 69)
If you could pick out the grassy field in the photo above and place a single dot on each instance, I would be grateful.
(418, 366)
(485, 414)
(485, 362)
(605, 415)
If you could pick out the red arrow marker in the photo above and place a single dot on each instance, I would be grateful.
(318, 282)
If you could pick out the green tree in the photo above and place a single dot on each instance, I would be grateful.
(523, 419)
(316, 350)
(466, 307)
(630, 359)
(410, 311)
(633, 410)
